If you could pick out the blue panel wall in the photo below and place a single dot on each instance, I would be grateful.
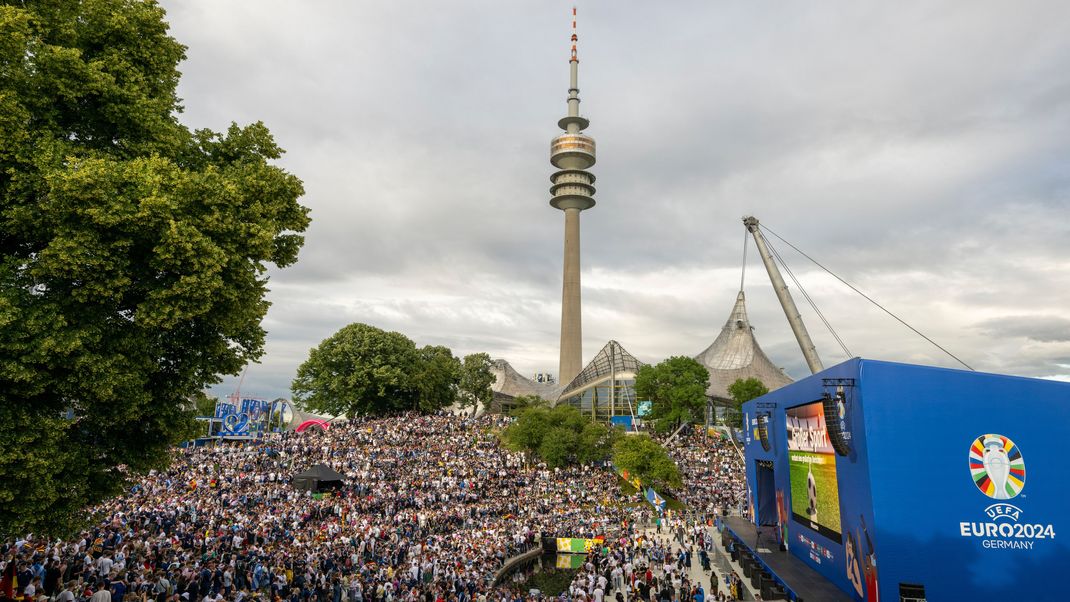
(920, 425)
(915, 495)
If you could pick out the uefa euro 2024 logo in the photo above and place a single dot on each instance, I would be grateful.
(997, 466)
(998, 471)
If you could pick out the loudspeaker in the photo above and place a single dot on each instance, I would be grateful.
(771, 590)
(831, 406)
(763, 431)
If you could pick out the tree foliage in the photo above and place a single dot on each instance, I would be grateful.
(362, 370)
(133, 253)
(518, 404)
(676, 388)
(645, 458)
(559, 436)
(199, 404)
(437, 378)
(742, 391)
(476, 381)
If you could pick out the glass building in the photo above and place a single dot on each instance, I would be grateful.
(606, 386)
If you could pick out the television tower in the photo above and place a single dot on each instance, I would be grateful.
(572, 153)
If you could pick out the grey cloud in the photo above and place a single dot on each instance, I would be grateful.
(1044, 329)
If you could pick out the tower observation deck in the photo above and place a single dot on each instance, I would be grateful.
(572, 191)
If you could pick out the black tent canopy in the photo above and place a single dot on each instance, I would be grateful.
(316, 478)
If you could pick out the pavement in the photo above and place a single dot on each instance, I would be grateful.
(720, 564)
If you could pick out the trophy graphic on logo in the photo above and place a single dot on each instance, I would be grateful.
(998, 466)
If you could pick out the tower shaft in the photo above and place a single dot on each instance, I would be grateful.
(571, 318)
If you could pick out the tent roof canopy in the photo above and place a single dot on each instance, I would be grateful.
(735, 354)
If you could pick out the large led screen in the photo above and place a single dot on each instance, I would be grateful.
(815, 496)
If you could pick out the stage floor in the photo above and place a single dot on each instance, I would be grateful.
(803, 580)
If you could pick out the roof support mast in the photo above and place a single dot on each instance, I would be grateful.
(794, 318)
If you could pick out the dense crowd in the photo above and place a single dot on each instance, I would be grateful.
(430, 509)
(650, 565)
(711, 467)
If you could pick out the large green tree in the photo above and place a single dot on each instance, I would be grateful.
(133, 253)
(476, 381)
(559, 436)
(437, 378)
(643, 457)
(676, 388)
(362, 370)
(358, 371)
(742, 391)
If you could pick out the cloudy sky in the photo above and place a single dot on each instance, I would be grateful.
(921, 150)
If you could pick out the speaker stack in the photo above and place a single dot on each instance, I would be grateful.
(832, 424)
(763, 431)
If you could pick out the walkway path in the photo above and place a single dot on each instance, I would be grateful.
(720, 564)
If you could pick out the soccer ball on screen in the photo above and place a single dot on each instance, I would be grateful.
(811, 496)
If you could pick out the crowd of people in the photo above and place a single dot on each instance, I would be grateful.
(649, 565)
(430, 509)
(711, 466)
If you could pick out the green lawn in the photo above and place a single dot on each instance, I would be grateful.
(626, 487)
(828, 498)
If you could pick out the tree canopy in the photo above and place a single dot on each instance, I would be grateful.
(133, 253)
(559, 436)
(676, 389)
(645, 458)
(476, 381)
(742, 391)
(438, 375)
(520, 403)
(362, 370)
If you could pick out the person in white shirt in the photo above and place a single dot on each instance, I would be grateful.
(104, 564)
(102, 594)
(30, 591)
(66, 595)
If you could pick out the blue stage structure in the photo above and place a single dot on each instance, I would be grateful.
(895, 481)
(244, 418)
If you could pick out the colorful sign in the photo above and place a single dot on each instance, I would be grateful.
(577, 545)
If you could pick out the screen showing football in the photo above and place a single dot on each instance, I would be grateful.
(815, 496)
